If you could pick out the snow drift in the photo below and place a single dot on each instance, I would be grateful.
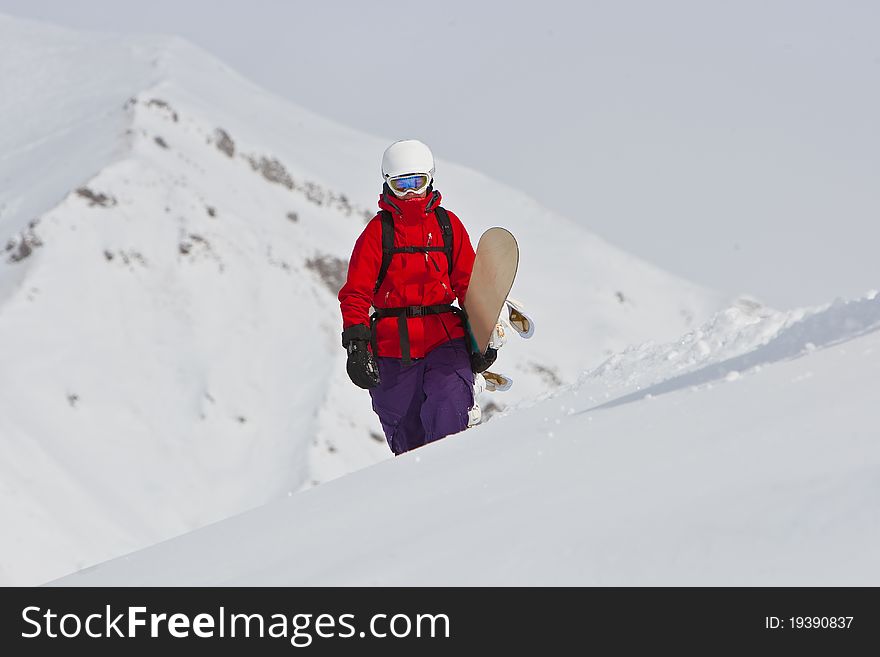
(759, 466)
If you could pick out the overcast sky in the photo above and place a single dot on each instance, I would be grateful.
(734, 143)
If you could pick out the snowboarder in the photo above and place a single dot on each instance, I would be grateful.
(413, 259)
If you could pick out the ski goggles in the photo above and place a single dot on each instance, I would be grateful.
(410, 182)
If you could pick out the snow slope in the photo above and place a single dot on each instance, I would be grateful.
(757, 466)
(169, 333)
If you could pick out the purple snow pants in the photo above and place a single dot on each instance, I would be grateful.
(426, 401)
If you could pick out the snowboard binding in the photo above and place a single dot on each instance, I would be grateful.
(518, 320)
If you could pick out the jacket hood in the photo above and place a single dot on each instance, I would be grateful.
(414, 208)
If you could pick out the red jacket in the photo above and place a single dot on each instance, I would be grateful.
(413, 279)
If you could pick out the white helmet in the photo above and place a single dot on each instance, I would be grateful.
(407, 156)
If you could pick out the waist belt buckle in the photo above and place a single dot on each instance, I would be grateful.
(416, 311)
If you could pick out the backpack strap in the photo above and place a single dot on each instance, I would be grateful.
(387, 246)
(403, 330)
(445, 228)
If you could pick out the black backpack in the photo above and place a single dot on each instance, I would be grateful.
(388, 251)
(388, 248)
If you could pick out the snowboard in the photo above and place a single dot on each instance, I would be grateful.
(495, 265)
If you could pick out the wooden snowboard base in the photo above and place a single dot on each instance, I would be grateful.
(492, 277)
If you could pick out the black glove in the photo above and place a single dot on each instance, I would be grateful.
(482, 362)
(362, 368)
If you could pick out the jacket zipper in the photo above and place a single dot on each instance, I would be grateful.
(432, 259)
